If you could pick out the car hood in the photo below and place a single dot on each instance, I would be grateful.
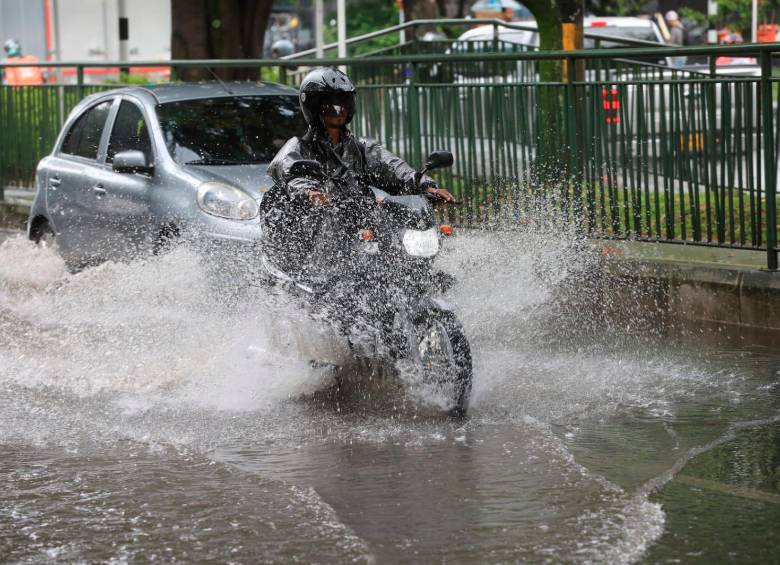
(253, 179)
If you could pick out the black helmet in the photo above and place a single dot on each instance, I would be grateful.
(323, 88)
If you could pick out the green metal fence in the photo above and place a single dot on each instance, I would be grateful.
(627, 149)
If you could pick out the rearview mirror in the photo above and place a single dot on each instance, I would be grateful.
(439, 159)
(306, 168)
(131, 161)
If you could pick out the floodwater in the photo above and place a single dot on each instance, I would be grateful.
(144, 417)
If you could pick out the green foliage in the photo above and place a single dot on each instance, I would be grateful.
(618, 7)
(738, 11)
(127, 78)
(270, 74)
(695, 16)
(735, 14)
(366, 16)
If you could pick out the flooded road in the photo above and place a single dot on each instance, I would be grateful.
(135, 426)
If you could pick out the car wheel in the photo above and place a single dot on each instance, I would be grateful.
(43, 235)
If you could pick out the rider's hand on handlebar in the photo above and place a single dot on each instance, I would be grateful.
(317, 198)
(441, 193)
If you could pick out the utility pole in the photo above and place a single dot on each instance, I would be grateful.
(341, 23)
(401, 20)
(754, 23)
(712, 12)
(572, 28)
(319, 40)
(124, 34)
(55, 20)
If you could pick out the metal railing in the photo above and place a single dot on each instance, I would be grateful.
(626, 149)
(361, 41)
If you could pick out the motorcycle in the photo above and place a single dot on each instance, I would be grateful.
(365, 264)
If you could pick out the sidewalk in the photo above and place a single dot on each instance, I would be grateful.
(17, 197)
(697, 288)
(15, 207)
(697, 254)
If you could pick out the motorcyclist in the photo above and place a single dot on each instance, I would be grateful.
(19, 76)
(327, 99)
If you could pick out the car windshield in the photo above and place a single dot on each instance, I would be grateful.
(643, 33)
(229, 131)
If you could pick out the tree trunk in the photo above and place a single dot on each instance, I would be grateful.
(549, 15)
(218, 29)
(548, 20)
(424, 10)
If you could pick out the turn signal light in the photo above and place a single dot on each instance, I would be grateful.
(366, 235)
(446, 229)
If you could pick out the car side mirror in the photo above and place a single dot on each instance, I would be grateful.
(131, 161)
(439, 159)
(306, 168)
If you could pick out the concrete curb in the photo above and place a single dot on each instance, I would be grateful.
(14, 216)
(693, 295)
(15, 207)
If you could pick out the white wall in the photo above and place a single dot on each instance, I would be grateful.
(23, 20)
(89, 29)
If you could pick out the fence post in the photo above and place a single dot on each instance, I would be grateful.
(712, 188)
(574, 135)
(80, 81)
(770, 180)
(414, 118)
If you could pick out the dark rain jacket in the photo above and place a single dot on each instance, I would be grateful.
(292, 225)
(362, 160)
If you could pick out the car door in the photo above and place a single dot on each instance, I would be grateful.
(125, 225)
(70, 197)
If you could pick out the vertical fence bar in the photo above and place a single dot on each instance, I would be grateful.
(414, 115)
(770, 180)
(711, 189)
(80, 81)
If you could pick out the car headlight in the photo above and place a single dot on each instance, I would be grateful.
(421, 243)
(226, 201)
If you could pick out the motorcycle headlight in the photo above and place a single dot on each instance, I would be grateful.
(226, 201)
(421, 243)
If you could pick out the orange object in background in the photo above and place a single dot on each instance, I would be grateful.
(610, 101)
(446, 229)
(18, 76)
(767, 33)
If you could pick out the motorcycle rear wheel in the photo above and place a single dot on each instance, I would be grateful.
(445, 356)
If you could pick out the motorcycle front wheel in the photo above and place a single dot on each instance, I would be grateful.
(445, 357)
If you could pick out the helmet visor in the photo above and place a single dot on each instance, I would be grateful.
(337, 104)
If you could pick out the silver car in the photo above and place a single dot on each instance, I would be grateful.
(137, 166)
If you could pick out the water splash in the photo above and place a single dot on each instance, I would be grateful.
(153, 353)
